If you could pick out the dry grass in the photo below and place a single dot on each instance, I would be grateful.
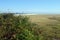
(42, 19)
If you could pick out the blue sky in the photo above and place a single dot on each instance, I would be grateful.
(38, 6)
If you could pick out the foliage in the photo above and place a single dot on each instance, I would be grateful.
(19, 27)
(15, 28)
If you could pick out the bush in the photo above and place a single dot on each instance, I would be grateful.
(15, 28)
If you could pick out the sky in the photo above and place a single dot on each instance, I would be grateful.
(30, 6)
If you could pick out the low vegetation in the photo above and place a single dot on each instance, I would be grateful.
(36, 27)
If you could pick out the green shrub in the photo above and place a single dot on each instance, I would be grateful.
(15, 28)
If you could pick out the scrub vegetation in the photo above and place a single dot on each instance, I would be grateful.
(32, 27)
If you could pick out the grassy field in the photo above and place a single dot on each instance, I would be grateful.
(43, 19)
(49, 23)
